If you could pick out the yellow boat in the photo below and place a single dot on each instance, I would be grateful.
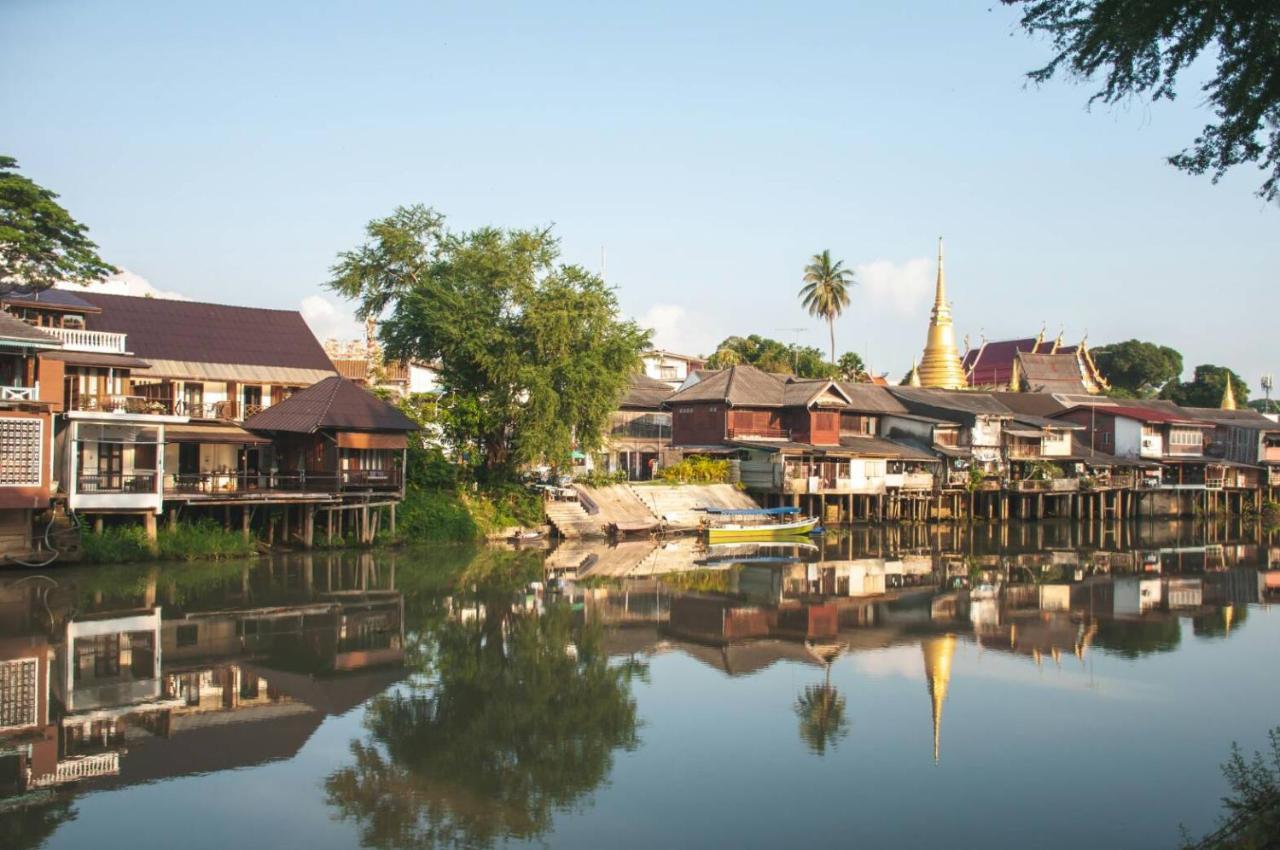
(730, 532)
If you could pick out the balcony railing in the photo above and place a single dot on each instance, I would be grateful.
(103, 342)
(79, 767)
(1048, 485)
(227, 411)
(117, 482)
(231, 483)
(113, 403)
(759, 433)
(20, 393)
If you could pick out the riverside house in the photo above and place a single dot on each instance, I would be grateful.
(117, 405)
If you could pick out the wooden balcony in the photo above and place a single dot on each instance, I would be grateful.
(140, 481)
(20, 393)
(112, 403)
(759, 434)
(208, 485)
(1048, 485)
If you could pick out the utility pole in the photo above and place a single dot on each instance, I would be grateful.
(1268, 382)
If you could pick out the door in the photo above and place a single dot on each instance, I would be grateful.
(110, 466)
(193, 399)
(252, 401)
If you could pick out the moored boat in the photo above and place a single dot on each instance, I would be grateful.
(771, 524)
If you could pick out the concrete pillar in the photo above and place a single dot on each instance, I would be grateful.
(391, 519)
(173, 518)
(149, 524)
(244, 522)
(97, 524)
(284, 526)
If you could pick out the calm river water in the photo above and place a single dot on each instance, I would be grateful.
(1032, 686)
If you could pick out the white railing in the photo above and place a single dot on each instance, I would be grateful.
(80, 767)
(20, 393)
(79, 340)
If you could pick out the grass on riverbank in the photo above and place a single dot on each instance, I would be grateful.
(444, 515)
(204, 540)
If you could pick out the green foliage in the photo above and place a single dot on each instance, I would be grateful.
(825, 293)
(698, 581)
(696, 470)
(851, 366)
(772, 356)
(40, 243)
(1206, 388)
(1143, 48)
(533, 355)
(507, 719)
(1252, 819)
(823, 718)
(452, 516)
(1043, 470)
(203, 540)
(604, 479)
(975, 479)
(1137, 369)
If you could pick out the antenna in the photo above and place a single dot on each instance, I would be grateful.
(604, 265)
(795, 360)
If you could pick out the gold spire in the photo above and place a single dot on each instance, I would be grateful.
(913, 378)
(940, 365)
(1228, 396)
(937, 671)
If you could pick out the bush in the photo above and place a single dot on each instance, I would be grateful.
(450, 516)
(604, 479)
(696, 470)
(206, 539)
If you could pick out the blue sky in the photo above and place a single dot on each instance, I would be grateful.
(227, 151)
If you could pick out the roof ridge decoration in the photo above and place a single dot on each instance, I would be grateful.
(728, 384)
(336, 383)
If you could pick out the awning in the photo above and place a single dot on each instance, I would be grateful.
(93, 358)
(212, 434)
(1025, 432)
(188, 370)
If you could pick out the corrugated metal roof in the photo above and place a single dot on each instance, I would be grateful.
(871, 398)
(1052, 373)
(93, 358)
(196, 332)
(334, 404)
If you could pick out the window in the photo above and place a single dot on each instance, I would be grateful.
(668, 373)
(20, 444)
(18, 692)
(188, 635)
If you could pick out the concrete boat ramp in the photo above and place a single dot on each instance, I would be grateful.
(642, 508)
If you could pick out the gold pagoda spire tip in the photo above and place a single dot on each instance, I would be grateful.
(1228, 396)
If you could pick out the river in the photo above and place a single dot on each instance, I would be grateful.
(1054, 686)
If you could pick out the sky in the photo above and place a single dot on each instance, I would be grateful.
(697, 154)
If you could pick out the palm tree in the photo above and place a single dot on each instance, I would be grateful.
(826, 291)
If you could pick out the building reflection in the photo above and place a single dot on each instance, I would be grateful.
(186, 674)
(1036, 593)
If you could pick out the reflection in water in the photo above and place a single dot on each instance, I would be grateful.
(491, 692)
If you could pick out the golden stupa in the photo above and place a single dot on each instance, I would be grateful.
(940, 366)
(1228, 396)
(913, 379)
(937, 672)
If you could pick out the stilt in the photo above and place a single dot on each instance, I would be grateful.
(173, 518)
(97, 524)
(391, 519)
(244, 522)
(308, 526)
(329, 539)
(149, 523)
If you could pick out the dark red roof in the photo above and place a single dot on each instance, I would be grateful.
(992, 363)
(334, 404)
(1141, 414)
(163, 329)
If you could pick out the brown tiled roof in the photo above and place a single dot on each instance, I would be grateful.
(645, 392)
(162, 329)
(15, 330)
(332, 404)
(1036, 404)
(871, 398)
(1240, 418)
(944, 402)
(741, 385)
(1052, 373)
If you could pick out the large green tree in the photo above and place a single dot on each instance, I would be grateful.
(825, 293)
(1206, 387)
(1137, 369)
(40, 243)
(772, 356)
(851, 366)
(1142, 48)
(532, 353)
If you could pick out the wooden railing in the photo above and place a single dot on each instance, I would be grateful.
(112, 403)
(20, 393)
(760, 433)
(103, 342)
(216, 483)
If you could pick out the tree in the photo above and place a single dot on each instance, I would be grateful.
(506, 718)
(770, 355)
(851, 366)
(40, 243)
(1252, 818)
(1141, 48)
(826, 291)
(1206, 387)
(533, 354)
(1137, 369)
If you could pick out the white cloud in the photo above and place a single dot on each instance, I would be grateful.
(330, 321)
(673, 330)
(900, 288)
(126, 282)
